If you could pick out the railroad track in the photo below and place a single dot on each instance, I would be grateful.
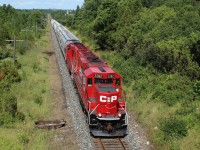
(110, 144)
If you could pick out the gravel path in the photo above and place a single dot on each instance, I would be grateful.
(78, 117)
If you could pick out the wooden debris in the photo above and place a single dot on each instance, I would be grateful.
(50, 124)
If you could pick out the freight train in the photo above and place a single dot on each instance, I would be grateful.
(99, 87)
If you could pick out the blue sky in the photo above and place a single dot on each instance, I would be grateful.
(43, 4)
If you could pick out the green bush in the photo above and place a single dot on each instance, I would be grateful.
(38, 100)
(36, 67)
(4, 85)
(4, 53)
(186, 110)
(196, 90)
(8, 109)
(22, 48)
(173, 128)
(8, 104)
(19, 116)
(172, 89)
(11, 73)
(18, 65)
(5, 118)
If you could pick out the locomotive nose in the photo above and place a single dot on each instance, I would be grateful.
(108, 101)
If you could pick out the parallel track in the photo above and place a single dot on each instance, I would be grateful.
(110, 144)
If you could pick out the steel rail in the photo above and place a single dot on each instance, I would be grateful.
(110, 144)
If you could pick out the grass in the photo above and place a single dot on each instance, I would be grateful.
(33, 100)
(152, 111)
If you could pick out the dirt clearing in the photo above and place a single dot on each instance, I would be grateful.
(62, 138)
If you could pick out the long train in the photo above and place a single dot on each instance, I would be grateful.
(99, 87)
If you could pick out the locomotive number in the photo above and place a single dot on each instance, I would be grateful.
(104, 98)
(98, 75)
(110, 76)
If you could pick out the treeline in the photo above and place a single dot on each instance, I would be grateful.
(165, 33)
(13, 22)
(155, 46)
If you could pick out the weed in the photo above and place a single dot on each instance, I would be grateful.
(43, 90)
(38, 100)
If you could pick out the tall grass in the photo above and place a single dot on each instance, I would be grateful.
(32, 100)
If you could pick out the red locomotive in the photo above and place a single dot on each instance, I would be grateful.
(100, 87)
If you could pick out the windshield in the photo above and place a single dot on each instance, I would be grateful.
(103, 81)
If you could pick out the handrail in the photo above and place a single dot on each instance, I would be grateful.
(91, 113)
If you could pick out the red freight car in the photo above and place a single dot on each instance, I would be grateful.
(100, 87)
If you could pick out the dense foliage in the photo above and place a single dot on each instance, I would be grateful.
(13, 22)
(163, 33)
(155, 46)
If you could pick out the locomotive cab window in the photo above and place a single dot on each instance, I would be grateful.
(103, 81)
(89, 81)
(118, 82)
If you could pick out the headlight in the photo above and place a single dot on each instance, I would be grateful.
(119, 115)
(99, 115)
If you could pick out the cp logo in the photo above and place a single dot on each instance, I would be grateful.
(104, 98)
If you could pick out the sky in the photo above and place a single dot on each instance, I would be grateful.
(43, 4)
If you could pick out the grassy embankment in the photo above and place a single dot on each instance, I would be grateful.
(162, 103)
(34, 101)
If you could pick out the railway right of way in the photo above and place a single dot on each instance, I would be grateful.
(86, 142)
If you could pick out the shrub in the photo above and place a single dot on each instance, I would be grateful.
(8, 104)
(5, 118)
(4, 53)
(18, 65)
(10, 71)
(36, 67)
(4, 85)
(19, 116)
(173, 128)
(196, 88)
(38, 100)
(8, 109)
(172, 89)
(186, 110)
(22, 48)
